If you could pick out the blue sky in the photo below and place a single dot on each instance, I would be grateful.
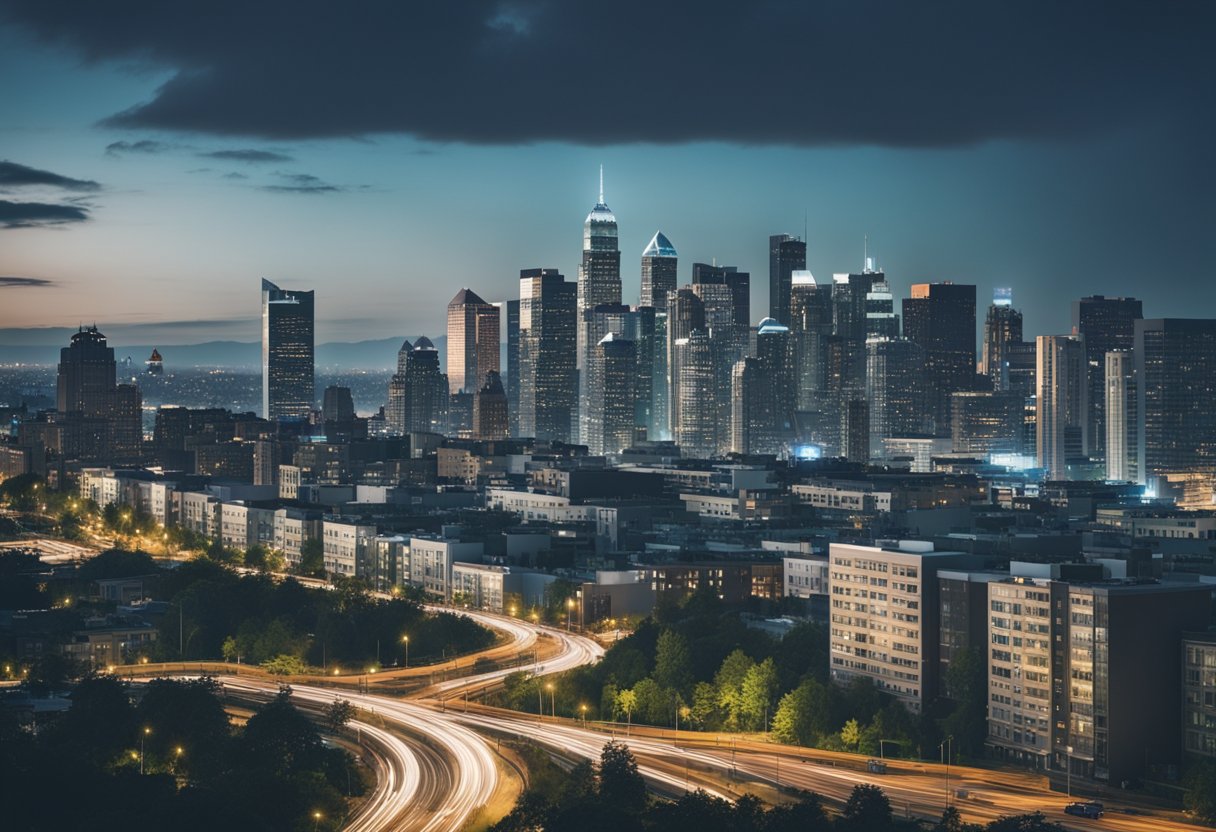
(386, 227)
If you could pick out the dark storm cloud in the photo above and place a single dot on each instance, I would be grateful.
(767, 71)
(38, 214)
(252, 157)
(144, 146)
(24, 282)
(13, 175)
(302, 183)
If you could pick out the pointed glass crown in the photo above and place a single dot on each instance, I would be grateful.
(659, 246)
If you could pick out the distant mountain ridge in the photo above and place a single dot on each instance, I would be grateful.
(380, 354)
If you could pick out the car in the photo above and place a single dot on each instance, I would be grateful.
(1084, 809)
(876, 767)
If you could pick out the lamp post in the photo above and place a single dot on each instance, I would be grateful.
(552, 700)
(143, 737)
(569, 610)
(947, 747)
(583, 710)
(406, 641)
(177, 756)
(316, 820)
(1068, 769)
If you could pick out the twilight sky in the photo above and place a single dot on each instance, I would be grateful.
(157, 159)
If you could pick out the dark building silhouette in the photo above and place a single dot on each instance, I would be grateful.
(1176, 395)
(288, 390)
(786, 255)
(490, 409)
(1106, 325)
(547, 337)
(155, 365)
(599, 273)
(103, 420)
(940, 317)
(611, 390)
(1002, 329)
(513, 366)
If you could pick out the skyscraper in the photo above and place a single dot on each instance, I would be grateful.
(785, 256)
(474, 332)
(685, 313)
(1176, 389)
(105, 418)
(87, 373)
(490, 409)
(1122, 422)
(738, 283)
(659, 261)
(696, 398)
(155, 365)
(594, 324)
(513, 366)
(940, 317)
(894, 390)
(611, 389)
(426, 390)
(1002, 328)
(810, 327)
(987, 422)
(599, 274)
(1061, 424)
(547, 336)
(395, 411)
(1106, 324)
(287, 353)
(775, 355)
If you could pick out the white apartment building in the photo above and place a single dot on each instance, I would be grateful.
(431, 562)
(1019, 670)
(883, 616)
(346, 546)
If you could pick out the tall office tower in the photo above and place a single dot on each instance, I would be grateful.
(548, 312)
(155, 365)
(810, 326)
(426, 390)
(87, 373)
(594, 324)
(855, 430)
(660, 383)
(474, 332)
(394, 411)
(775, 354)
(739, 283)
(894, 390)
(786, 255)
(337, 404)
(1106, 324)
(513, 366)
(1061, 424)
(1002, 328)
(1122, 457)
(1021, 358)
(659, 261)
(941, 318)
(287, 353)
(649, 343)
(611, 391)
(1176, 389)
(987, 422)
(685, 313)
(851, 325)
(696, 395)
(881, 320)
(599, 274)
(746, 405)
(490, 409)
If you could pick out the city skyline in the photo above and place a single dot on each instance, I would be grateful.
(368, 213)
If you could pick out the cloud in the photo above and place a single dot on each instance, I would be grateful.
(13, 175)
(24, 282)
(302, 183)
(820, 72)
(252, 157)
(144, 146)
(39, 214)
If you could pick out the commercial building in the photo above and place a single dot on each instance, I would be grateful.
(1061, 428)
(659, 260)
(547, 342)
(1002, 328)
(287, 353)
(474, 333)
(786, 255)
(940, 318)
(1104, 325)
(1122, 417)
(1176, 386)
(599, 273)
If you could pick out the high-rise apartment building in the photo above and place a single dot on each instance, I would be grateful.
(1105, 324)
(987, 422)
(513, 365)
(940, 317)
(106, 417)
(1002, 327)
(884, 617)
(659, 260)
(288, 380)
(599, 273)
(1176, 387)
(547, 337)
(786, 255)
(490, 409)
(1122, 417)
(1060, 436)
(473, 349)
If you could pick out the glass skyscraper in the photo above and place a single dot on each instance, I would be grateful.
(287, 353)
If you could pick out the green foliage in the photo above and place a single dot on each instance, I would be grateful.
(673, 663)
(758, 695)
(850, 734)
(338, 713)
(1200, 785)
(621, 785)
(312, 559)
(867, 809)
(729, 682)
(285, 665)
(967, 685)
(116, 563)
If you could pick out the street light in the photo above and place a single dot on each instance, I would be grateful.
(316, 820)
(1068, 768)
(552, 699)
(583, 710)
(177, 756)
(406, 641)
(143, 737)
(947, 748)
(569, 609)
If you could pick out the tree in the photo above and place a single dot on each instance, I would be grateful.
(952, 821)
(284, 665)
(1200, 785)
(257, 557)
(627, 703)
(621, 785)
(1034, 822)
(757, 695)
(312, 558)
(967, 685)
(867, 809)
(705, 713)
(673, 663)
(850, 734)
(338, 713)
(729, 683)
